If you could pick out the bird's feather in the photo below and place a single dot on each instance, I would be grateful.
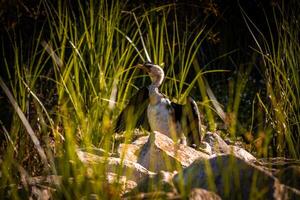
(189, 118)
(134, 115)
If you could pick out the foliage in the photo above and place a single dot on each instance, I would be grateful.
(78, 73)
(280, 66)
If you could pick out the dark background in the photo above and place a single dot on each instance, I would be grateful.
(18, 19)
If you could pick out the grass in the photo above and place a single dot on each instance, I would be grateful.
(280, 65)
(68, 89)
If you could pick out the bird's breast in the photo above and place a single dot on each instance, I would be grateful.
(160, 117)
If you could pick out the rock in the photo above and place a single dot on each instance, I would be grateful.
(231, 178)
(161, 186)
(162, 181)
(130, 151)
(38, 187)
(242, 153)
(155, 195)
(97, 151)
(51, 180)
(280, 167)
(41, 193)
(277, 162)
(217, 144)
(133, 171)
(201, 194)
(289, 193)
(122, 182)
(41, 187)
(140, 141)
(205, 148)
(161, 153)
(290, 176)
(220, 147)
(129, 136)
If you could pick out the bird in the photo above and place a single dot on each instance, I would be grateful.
(153, 111)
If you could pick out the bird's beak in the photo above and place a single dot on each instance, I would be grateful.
(145, 67)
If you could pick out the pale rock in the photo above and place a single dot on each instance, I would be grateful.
(97, 151)
(161, 153)
(205, 147)
(201, 194)
(141, 141)
(220, 147)
(125, 185)
(242, 153)
(217, 144)
(50, 180)
(133, 171)
(41, 193)
(154, 195)
(130, 151)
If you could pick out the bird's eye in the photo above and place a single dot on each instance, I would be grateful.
(148, 64)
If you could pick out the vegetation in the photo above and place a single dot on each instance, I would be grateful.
(64, 87)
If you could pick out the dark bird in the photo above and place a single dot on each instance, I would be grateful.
(153, 111)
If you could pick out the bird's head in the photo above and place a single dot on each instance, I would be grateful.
(155, 72)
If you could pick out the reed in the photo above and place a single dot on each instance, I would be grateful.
(280, 65)
(68, 88)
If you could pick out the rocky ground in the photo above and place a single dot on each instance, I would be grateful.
(154, 167)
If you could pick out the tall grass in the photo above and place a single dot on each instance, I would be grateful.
(86, 65)
(279, 50)
(23, 148)
(72, 84)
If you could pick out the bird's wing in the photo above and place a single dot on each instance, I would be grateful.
(189, 117)
(134, 114)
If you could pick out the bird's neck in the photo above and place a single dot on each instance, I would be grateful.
(154, 94)
(157, 80)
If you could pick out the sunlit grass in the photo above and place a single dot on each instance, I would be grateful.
(280, 66)
(85, 69)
